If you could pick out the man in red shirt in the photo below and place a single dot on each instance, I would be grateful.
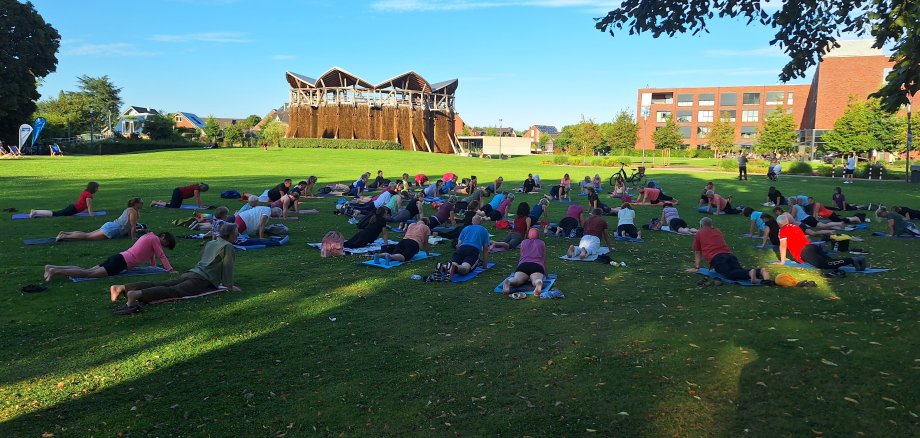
(793, 239)
(595, 229)
(709, 244)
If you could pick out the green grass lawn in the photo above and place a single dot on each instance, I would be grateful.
(634, 351)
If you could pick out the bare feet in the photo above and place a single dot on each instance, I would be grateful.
(582, 253)
(571, 251)
(59, 237)
(115, 291)
(506, 287)
(31, 214)
(537, 288)
(49, 273)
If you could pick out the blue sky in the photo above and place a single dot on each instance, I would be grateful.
(523, 61)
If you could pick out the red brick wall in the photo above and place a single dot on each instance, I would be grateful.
(646, 128)
(840, 78)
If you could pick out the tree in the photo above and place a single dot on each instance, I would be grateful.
(721, 135)
(249, 122)
(104, 99)
(212, 129)
(862, 127)
(274, 131)
(893, 24)
(490, 131)
(465, 131)
(28, 48)
(69, 109)
(159, 126)
(777, 134)
(622, 133)
(233, 134)
(668, 136)
(902, 131)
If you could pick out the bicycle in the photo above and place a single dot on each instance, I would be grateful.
(629, 180)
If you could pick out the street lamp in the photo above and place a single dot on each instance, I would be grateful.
(499, 139)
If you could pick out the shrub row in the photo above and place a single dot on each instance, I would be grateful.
(331, 143)
(566, 160)
(656, 153)
(812, 169)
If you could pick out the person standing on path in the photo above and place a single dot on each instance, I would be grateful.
(849, 169)
(742, 166)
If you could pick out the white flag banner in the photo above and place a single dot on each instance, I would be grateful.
(25, 131)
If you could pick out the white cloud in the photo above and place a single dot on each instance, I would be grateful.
(283, 57)
(205, 37)
(771, 51)
(106, 50)
(457, 5)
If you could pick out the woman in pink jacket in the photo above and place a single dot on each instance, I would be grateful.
(147, 249)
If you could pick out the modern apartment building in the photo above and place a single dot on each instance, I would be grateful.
(853, 70)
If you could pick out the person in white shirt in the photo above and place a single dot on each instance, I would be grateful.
(626, 226)
(849, 169)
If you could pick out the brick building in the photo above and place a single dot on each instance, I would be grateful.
(854, 69)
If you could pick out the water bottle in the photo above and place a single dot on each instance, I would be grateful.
(416, 277)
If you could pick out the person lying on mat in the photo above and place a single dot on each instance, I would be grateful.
(619, 189)
(522, 223)
(380, 200)
(433, 190)
(596, 182)
(358, 187)
(221, 214)
(908, 213)
(595, 229)
(286, 203)
(379, 181)
(254, 220)
(819, 210)
(704, 198)
(413, 208)
(491, 208)
(253, 201)
(415, 240)
(595, 202)
(709, 244)
(421, 179)
(497, 213)
(181, 193)
(574, 218)
(897, 225)
(125, 225)
(756, 220)
(626, 222)
(671, 217)
(213, 270)
(794, 241)
(84, 203)
(718, 204)
(444, 214)
(775, 197)
(472, 210)
(540, 211)
(496, 186)
(770, 231)
(531, 266)
(449, 185)
(475, 195)
(144, 249)
(653, 195)
(375, 226)
(805, 228)
(472, 248)
(803, 217)
(276, 192)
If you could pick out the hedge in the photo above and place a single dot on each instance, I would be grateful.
(566, 160)
(331, 143)
(656, 153)
(127, 147)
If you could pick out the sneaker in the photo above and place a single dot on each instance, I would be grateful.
(858, 251)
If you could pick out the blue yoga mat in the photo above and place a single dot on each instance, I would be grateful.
(40, 241)
(628, 239)
(714, 274)
(383, 263)
(271, 241)
(188, 207)
(470, 275)
(847, 269)
(145, 270)
(901, 236)
(707, 211)
(430, 199)
(81, 214)
(548, 283)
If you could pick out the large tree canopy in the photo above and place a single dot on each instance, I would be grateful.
(804, 30)
(28, 48)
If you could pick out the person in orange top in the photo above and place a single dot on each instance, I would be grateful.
(709, 244)
(793, 240)
(415, 240)
(84, 203)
